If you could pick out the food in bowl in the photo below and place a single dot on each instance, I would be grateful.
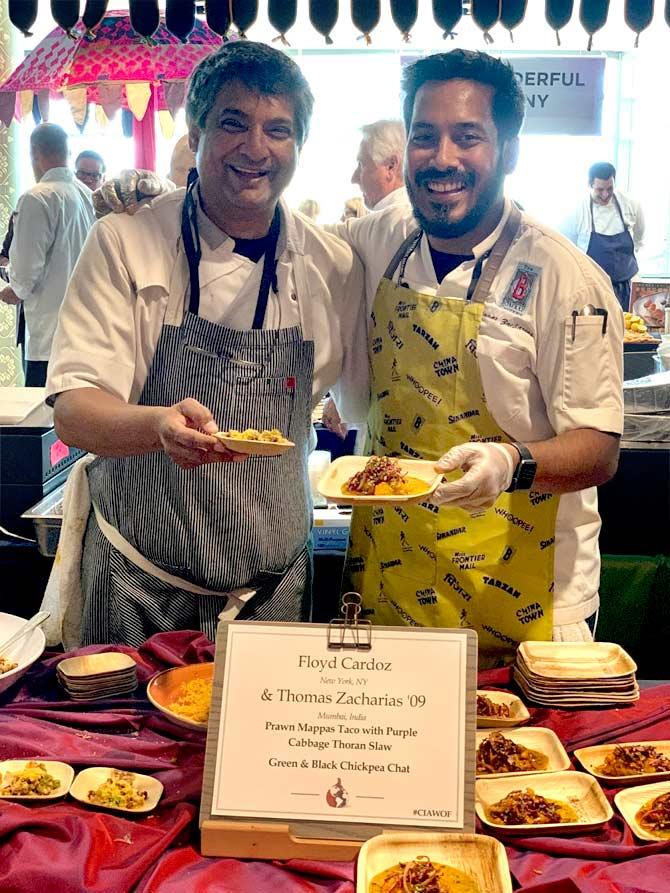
(487, 707)
(528, 808)
(265, 436)
(633, 759)
(654, 816)
(7, 665)
(382, 476)
(31, 781)
(118, 791)
(422, 875)
(192, 700)
(497, 753)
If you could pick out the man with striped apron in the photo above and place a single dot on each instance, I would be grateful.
(418, 565)
(182, 529)
(134, 573)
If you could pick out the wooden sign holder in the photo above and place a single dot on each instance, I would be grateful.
(322, 841)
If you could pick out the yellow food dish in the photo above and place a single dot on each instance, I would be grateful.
(497, 753)
(382, 476)
(192, 700)
(7, 665)
(654, 816)
(633, 759)
(635, 329)
(118, 791)
(421, 875)
(528, 808)
(34, 780)
(265, 436)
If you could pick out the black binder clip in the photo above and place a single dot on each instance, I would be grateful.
(349, 631)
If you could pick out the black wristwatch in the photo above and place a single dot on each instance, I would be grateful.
(524, 473)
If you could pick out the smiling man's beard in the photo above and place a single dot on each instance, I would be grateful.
(439, 224)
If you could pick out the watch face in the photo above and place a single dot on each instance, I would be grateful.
(525, 474)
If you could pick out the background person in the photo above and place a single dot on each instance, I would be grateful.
(379, 164)
(609, 227)
(210, 306)
(52, 221)
(310, 208)
(89, 168)
(353, 208)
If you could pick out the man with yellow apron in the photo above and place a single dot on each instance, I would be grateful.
(495, 350)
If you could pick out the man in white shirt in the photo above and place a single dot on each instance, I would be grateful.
(89, 168)
(496, 352)
(609, 227)
(379, 164)
(211, 307)
(52, 222)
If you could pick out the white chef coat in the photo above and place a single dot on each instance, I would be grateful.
(606, 220)
(52, 222)
(117, 300)
(537, 381)
(397, 197)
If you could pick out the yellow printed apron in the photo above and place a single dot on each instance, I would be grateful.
(429, 566)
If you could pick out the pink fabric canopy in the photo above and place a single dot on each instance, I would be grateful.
(105, 63)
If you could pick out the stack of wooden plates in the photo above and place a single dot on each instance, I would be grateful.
(95, 676)
(576, 674)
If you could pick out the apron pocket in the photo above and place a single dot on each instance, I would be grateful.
(262, 403)
(586, 378)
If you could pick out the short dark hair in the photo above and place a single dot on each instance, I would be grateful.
(260, 68)
(508, 100)
(601, 170)
(94, 156)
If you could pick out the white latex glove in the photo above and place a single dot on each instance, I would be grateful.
(127, 192)
(488, 470)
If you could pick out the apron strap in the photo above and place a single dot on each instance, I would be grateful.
(482, 278)
(192, 248)
(618, 207)
(239, 597)
(403, 253)
(269, 276)
(497, 255)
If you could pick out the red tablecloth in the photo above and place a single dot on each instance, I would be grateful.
(67, 848)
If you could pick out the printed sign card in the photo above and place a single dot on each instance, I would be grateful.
(342, 742)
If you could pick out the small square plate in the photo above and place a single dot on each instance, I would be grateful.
(592, 757)
(481, 858)
(534, 738)
(339, 472)
(579, 790)
(91, 779)
(630, 801)
(518, 712)
(103, 664)
(576, 660)
(254, 447)
(58, 770)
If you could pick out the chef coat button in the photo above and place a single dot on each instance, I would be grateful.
(294, 296)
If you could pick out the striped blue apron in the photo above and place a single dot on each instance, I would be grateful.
(221, 526)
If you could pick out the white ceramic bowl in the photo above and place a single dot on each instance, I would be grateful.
(25, 652)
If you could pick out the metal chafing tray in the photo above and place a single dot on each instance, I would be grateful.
(47, 518)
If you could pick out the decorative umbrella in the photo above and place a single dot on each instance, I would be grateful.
(114, 67)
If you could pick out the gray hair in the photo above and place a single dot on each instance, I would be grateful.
(260, 68)
(385, 139)
(50, 140)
